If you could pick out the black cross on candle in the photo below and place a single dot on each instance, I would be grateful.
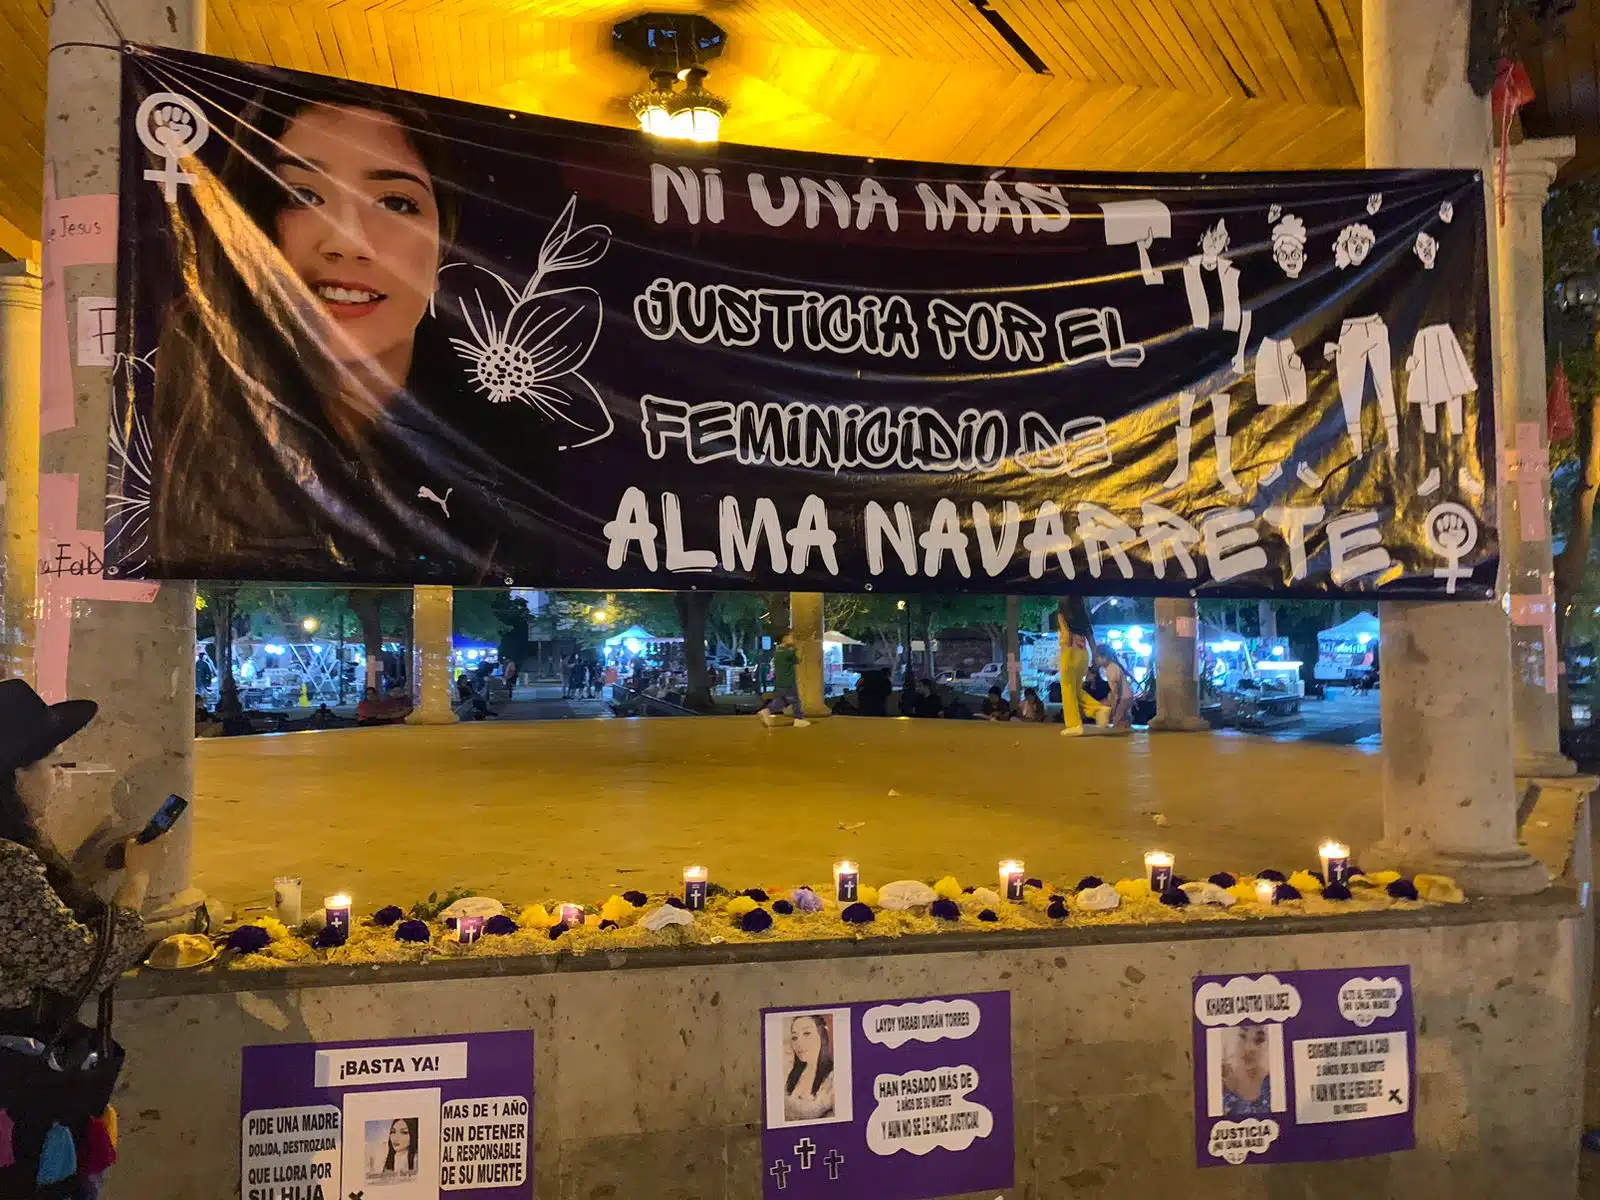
(804, 1149)
(779, 1170)
(833, 1160)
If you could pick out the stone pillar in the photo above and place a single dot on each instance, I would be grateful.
(1267, 618)
(1014, 651)
(1177, 689)
(19, 464)
(432, 634)
(135, 658)
(805, 620)
(1525, 482)
(1448, 800)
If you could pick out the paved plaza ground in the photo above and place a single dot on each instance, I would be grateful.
(530, 810)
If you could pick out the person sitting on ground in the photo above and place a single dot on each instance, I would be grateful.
(995, 707)
(469, 696)
(785, 695)
(927, 703)
(1032, 706)
(872, 693)
(1119, 688)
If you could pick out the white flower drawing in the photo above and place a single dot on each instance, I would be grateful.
(128, 470)
(1351, 247)
(1447, 211)
(1426, 247)
(529, 345)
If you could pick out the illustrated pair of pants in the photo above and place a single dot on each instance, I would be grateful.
(1364, 344)
(1438, 376)
(1280, 375)
(1076, 704)
(1222, 443)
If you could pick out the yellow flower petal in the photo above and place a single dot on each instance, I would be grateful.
(869, 896)
(1441, 889)
(740, 905)
(949, 888)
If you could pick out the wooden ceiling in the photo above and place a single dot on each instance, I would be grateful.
(1131, 84)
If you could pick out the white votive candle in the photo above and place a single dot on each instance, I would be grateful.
(694, 888)
(286, 899)
(1266, 891)
(1011, 876)
(846, 881)
(1335, 862)
(1159, 864)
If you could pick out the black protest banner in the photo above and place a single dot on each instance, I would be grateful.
(374, 337)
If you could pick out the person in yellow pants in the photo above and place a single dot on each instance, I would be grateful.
(1076, 704)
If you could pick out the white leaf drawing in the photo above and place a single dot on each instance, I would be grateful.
(529, 345)
(1447, 211)
(1274, 212)
(128, 468)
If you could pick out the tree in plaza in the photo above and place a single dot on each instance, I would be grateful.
(1572, 264)
(692, 608)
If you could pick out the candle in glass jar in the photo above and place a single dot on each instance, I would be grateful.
(1335, 862)
(286, 899)
(571, 915)
(1159, 864)
(846, 881)
(1011, 879)
(694, 889)
(336, 915)
(1266, 891)
(469, 929)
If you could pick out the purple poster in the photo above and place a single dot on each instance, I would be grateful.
(893, 1099)
(1303, 1066)
(404, 1119)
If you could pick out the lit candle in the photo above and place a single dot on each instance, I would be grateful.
(1266, 891)
(694, 888)
(1011, 878)
(572, 915)
(336, 913)
(846, 881)
(1335, 862)
(469, 929)
(286, 899)
(1159, 864)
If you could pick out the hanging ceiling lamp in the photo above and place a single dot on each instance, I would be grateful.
(674, 46)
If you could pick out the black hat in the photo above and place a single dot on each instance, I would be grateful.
(30, 728)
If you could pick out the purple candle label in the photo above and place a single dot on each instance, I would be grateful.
(892, 1099)
(469, 929)
(1013, 887)
(1160, 878)
(1338, 870)
(1303, 1066)
(694, 895)
(847, 887)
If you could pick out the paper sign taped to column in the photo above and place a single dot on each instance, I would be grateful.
(97, 331)
(78, 231)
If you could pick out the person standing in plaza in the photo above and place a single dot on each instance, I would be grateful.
(785, 694)
(1075, 633)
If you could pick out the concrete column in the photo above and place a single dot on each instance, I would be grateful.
(805, 619)
(1177, 689)
(1267, 617)
(135, 659)
(1448, 802)
(1525, 484)
(433, 631)
(19, 464)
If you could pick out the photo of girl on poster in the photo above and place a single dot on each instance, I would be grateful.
(304, 385)
(1247, 1066)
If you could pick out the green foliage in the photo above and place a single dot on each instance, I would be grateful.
(429, 909)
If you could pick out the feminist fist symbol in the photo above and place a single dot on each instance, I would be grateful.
(1452, 533)
(171, 126)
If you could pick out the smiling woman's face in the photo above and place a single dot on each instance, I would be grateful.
(400, 1135)
(361, 229)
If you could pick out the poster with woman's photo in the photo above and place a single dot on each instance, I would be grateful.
(396, 1119)
(807, 1067)
(369, 336)
(893, 1099)
(1303, 1066)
